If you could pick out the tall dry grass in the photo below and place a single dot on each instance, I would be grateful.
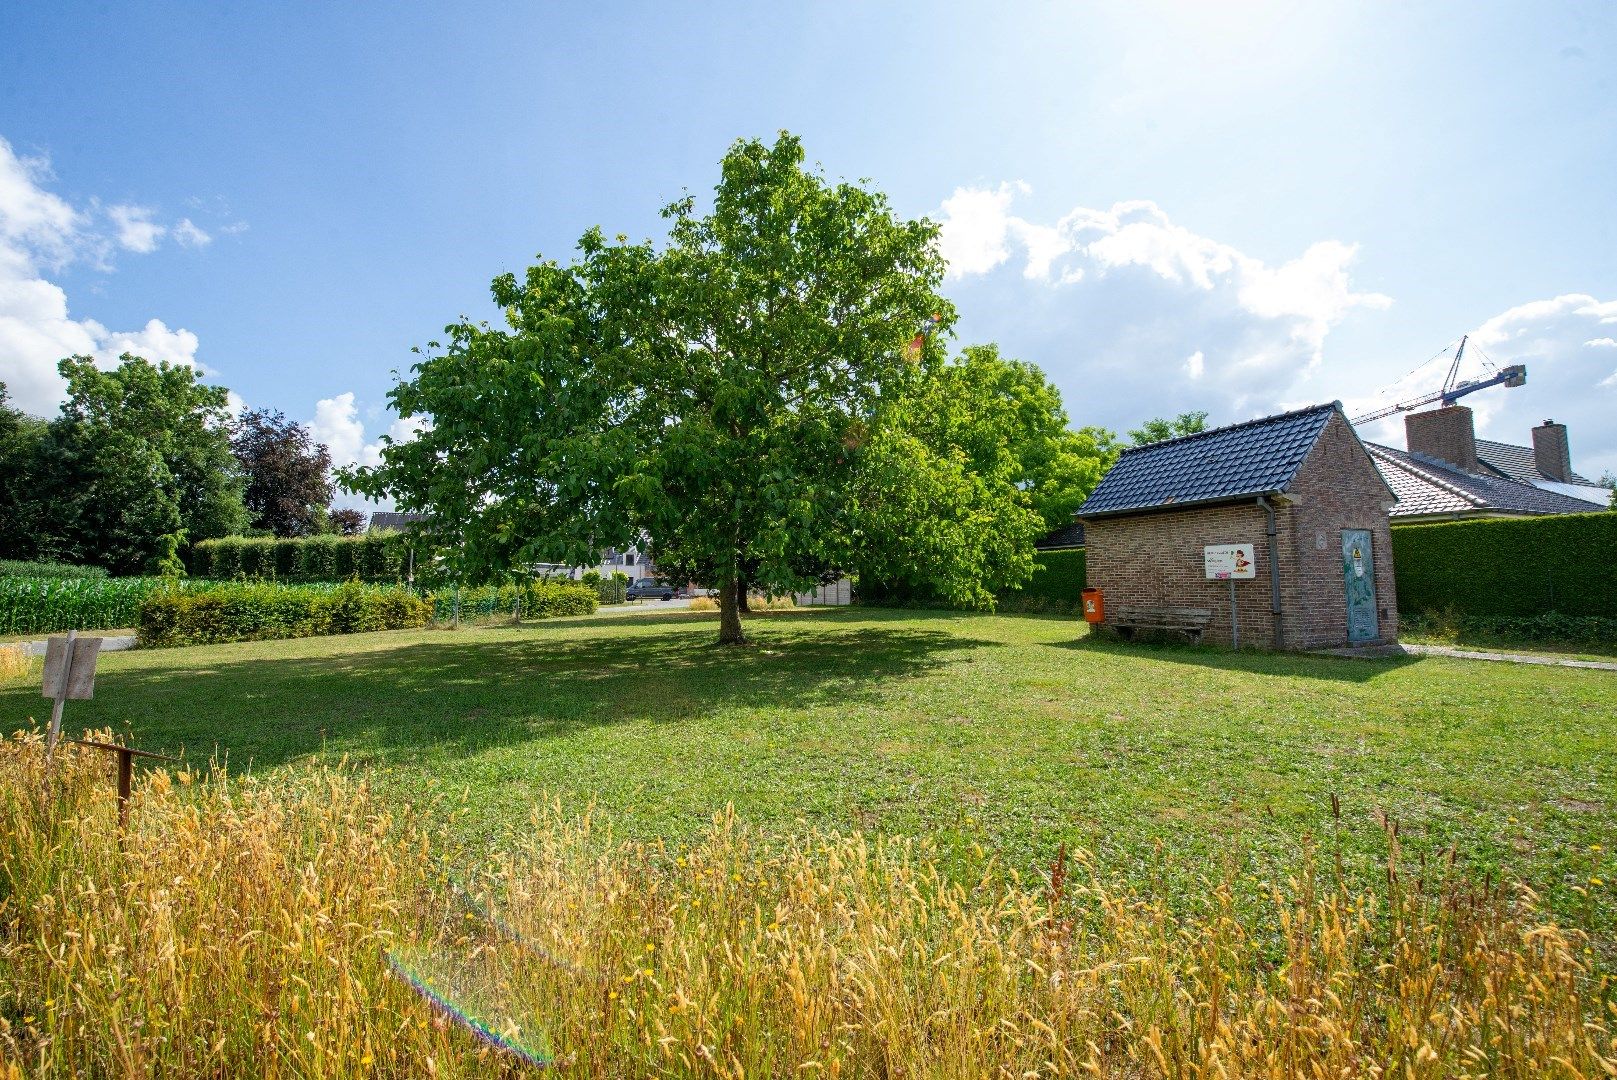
(244, 928)
(15, 663)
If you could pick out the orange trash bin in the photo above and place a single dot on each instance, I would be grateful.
(1094, 606)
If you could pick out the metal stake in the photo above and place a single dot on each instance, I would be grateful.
(1235, 621)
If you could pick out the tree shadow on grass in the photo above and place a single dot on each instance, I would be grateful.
(1293, 665)
(468, 691)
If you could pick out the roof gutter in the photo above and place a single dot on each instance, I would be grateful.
(1157, 508)
(1270, 532)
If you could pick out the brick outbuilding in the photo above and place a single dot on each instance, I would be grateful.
(1299, 487)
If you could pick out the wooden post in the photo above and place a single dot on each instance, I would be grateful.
(1235, 622)
(126, 775)
(60, 698)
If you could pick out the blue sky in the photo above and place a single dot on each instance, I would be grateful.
(1166, 206)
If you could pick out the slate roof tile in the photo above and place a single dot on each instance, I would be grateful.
(1425, 485)
(1258, 457)
(1516, 462)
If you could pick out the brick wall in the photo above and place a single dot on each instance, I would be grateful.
(1155, 559)
(1337, 488)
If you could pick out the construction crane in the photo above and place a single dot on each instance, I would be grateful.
(1512, 376)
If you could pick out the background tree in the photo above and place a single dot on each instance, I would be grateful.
(1158, 429)
(347, 521)
(719, 394)
(288, 474)
(137, 462)
(21, 437)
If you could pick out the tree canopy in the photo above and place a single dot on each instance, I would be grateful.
(1160, 429)
(137, 462)
(742, 395)
(287, 473)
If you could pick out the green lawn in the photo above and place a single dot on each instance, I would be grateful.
(1009, 734)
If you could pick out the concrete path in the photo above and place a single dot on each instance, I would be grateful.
(645, 606)
(109, 643)
(1509, 658)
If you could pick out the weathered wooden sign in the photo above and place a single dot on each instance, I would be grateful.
(70, 667)
(69, 674)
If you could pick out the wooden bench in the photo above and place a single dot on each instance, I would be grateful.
(1179, 620)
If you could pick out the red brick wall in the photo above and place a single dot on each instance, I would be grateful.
(1337, 488)
(1155, 559)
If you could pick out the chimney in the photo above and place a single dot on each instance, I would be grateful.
(1445, 434)
(1551, 451)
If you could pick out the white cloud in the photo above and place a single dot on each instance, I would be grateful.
(1124, 295)
(190, 235)
(137, 231)
(1601, 343)
(337, 423)
(40, 232)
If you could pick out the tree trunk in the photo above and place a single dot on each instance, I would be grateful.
(730, 614)
(741, 597)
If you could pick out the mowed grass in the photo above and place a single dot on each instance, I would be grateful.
(993, 736)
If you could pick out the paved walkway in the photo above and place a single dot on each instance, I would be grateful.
(1509, 657)
(1380, 652)
(109, 643)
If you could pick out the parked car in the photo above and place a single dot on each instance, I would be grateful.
(649, 589)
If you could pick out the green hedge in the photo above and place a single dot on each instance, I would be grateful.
(16, 568)
(1516, 567)
(258, 611)
(375, 557)
(540, 600)
(1056, 586)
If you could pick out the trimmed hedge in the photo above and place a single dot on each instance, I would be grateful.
(375, 557)
(540, 600)
(15, 568)
(1056, 586)
(1510, 567)
(260, 611)
(51, 605)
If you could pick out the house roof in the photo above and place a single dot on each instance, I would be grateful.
(1425, 486)
(1517, 463)
(1064, 536)
(1259, 457)
(389, 520)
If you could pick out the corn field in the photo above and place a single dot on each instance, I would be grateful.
(49, 605)
(295, 925)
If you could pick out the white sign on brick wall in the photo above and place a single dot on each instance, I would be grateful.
(1229, 562)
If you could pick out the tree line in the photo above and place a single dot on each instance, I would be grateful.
(145, 458)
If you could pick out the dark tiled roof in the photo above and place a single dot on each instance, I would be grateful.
(1515, 462)
(387, 520)
(1064, 536)
(1424, 485)
(1259, 457)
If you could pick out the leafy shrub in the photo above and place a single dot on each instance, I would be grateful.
(1514, 567)
(18, 568)
(257, 611)
(1550, 628)
(539, 600)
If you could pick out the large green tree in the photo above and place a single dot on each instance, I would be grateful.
(974, 463)
(723, 393)
(137, 462)
(21, 437)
